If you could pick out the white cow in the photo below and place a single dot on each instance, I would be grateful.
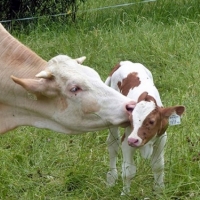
(62, 95)
(149, 121)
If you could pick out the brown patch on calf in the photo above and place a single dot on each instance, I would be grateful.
(163, 128)
(131, 81)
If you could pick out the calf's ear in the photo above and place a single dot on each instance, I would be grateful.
(167, 112)
(145, 97)
(42, 86)
(142, 97)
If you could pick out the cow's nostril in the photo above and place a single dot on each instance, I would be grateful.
(130, 107)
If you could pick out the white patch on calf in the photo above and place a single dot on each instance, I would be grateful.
(147, 150)
(141, 111)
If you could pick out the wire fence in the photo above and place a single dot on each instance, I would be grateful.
(81, 11)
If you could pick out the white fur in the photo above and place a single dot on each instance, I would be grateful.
(154, 148)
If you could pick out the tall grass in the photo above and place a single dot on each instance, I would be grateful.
(164, 36)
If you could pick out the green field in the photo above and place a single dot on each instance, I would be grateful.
(164, 35)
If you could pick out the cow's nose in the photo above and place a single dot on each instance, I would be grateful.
(130, 106)
(133, 142)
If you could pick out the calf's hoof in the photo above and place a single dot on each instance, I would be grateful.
(111, 178)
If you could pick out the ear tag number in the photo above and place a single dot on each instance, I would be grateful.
(174, 119)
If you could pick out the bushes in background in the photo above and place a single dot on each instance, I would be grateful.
(13, 9)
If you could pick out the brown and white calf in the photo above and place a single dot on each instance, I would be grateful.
(149, 121)
(62, 95)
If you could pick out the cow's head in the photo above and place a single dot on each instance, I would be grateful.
(149, 120)
(74, 97)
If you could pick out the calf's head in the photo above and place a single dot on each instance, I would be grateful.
(74, 97)
(149, 120)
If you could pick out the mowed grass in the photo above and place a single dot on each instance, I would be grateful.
(164, 36)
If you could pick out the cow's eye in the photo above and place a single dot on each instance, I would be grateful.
(74, 89)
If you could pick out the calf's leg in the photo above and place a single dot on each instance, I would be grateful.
(128, 165)
(157, 163)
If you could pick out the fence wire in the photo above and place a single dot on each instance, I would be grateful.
(81, 11)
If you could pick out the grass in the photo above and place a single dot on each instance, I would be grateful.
(164, 36)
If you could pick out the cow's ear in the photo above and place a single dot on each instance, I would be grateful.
(167, 112)
(42, 86)
(80, 60)
(44, 74)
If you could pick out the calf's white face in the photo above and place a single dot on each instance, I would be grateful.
(79, 100)
(149, 120)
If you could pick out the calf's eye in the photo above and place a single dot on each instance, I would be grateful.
(151, 122)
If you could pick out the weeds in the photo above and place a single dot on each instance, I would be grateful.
(164, 36)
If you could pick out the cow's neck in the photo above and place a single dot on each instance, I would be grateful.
(17, 106)
(16, 59)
